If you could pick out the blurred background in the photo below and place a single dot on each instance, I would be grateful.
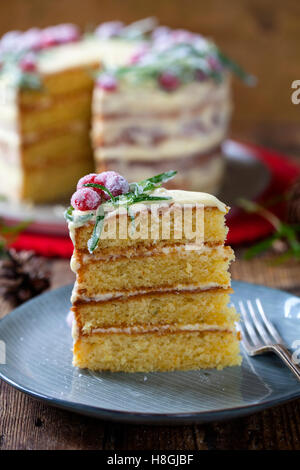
(262, 35)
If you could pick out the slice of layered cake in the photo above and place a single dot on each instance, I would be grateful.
(170, 106)
(152, 282)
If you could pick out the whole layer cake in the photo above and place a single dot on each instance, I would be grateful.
(163, 99)
(46, 83)
(170, 106)
(152, 282)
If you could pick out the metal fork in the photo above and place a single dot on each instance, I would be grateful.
(259, 336)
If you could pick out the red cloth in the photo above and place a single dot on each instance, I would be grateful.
(242, 227)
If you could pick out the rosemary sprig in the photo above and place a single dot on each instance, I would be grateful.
(138, 193)
(93, 241)
(288, 233)
(183, 59)
(9, 233)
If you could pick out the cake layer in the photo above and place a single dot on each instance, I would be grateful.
(171, 148)
(145, 352)
(74, 107)
(40, 185)
(215, 232)
(177, 269)
(56, 146)
(56, 86)
(185, 307)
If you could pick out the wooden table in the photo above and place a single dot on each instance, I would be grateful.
(29, 424)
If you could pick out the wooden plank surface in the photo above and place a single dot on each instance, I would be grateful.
(26, 423)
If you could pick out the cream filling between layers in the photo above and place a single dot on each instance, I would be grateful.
(125, 294)
(168, 149)
(133, 98)
(185, 122)
(160, 328)
(132, 253)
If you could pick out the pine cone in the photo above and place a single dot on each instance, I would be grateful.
(293, 209)
(22, 275)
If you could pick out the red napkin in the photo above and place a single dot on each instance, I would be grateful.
(243, 227)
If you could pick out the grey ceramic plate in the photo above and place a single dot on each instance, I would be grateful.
(250, 175)
(38, 362)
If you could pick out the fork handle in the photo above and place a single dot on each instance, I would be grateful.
(286, 357)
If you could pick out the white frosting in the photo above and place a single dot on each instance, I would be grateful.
(177, 196)
(84, 53)
(161, 328)
(119, 294)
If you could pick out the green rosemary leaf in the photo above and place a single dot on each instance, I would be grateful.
(30, 80)
(145, 197)
(259, 247)
(236, 69)
(81, 219)
(155, 181)
(14, 229)
(68, 214)
(94, 240)
(100, 186)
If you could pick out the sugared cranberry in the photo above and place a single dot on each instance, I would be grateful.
(214, 63)
(87, 179)
(138, 54)
(109, 29)
(114, 182)
(28, 63)
(85, 199)
(10, 41)
(181, 35)
(168, 81)
(48, 38)
(65, 33)
(107, 82)
(31, 39)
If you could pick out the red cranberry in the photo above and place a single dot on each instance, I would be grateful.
(65, 33)
(168, 81)
(138, 54)
(85, 199)
(48, 38)
(107, 82)
(114, 182)
(28, 63)
(88, 179)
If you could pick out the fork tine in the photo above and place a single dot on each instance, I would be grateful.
(258, 324)
(248, 326)
(272, 330)
(244, 340)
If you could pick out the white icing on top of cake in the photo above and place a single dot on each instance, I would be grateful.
(176, 197)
